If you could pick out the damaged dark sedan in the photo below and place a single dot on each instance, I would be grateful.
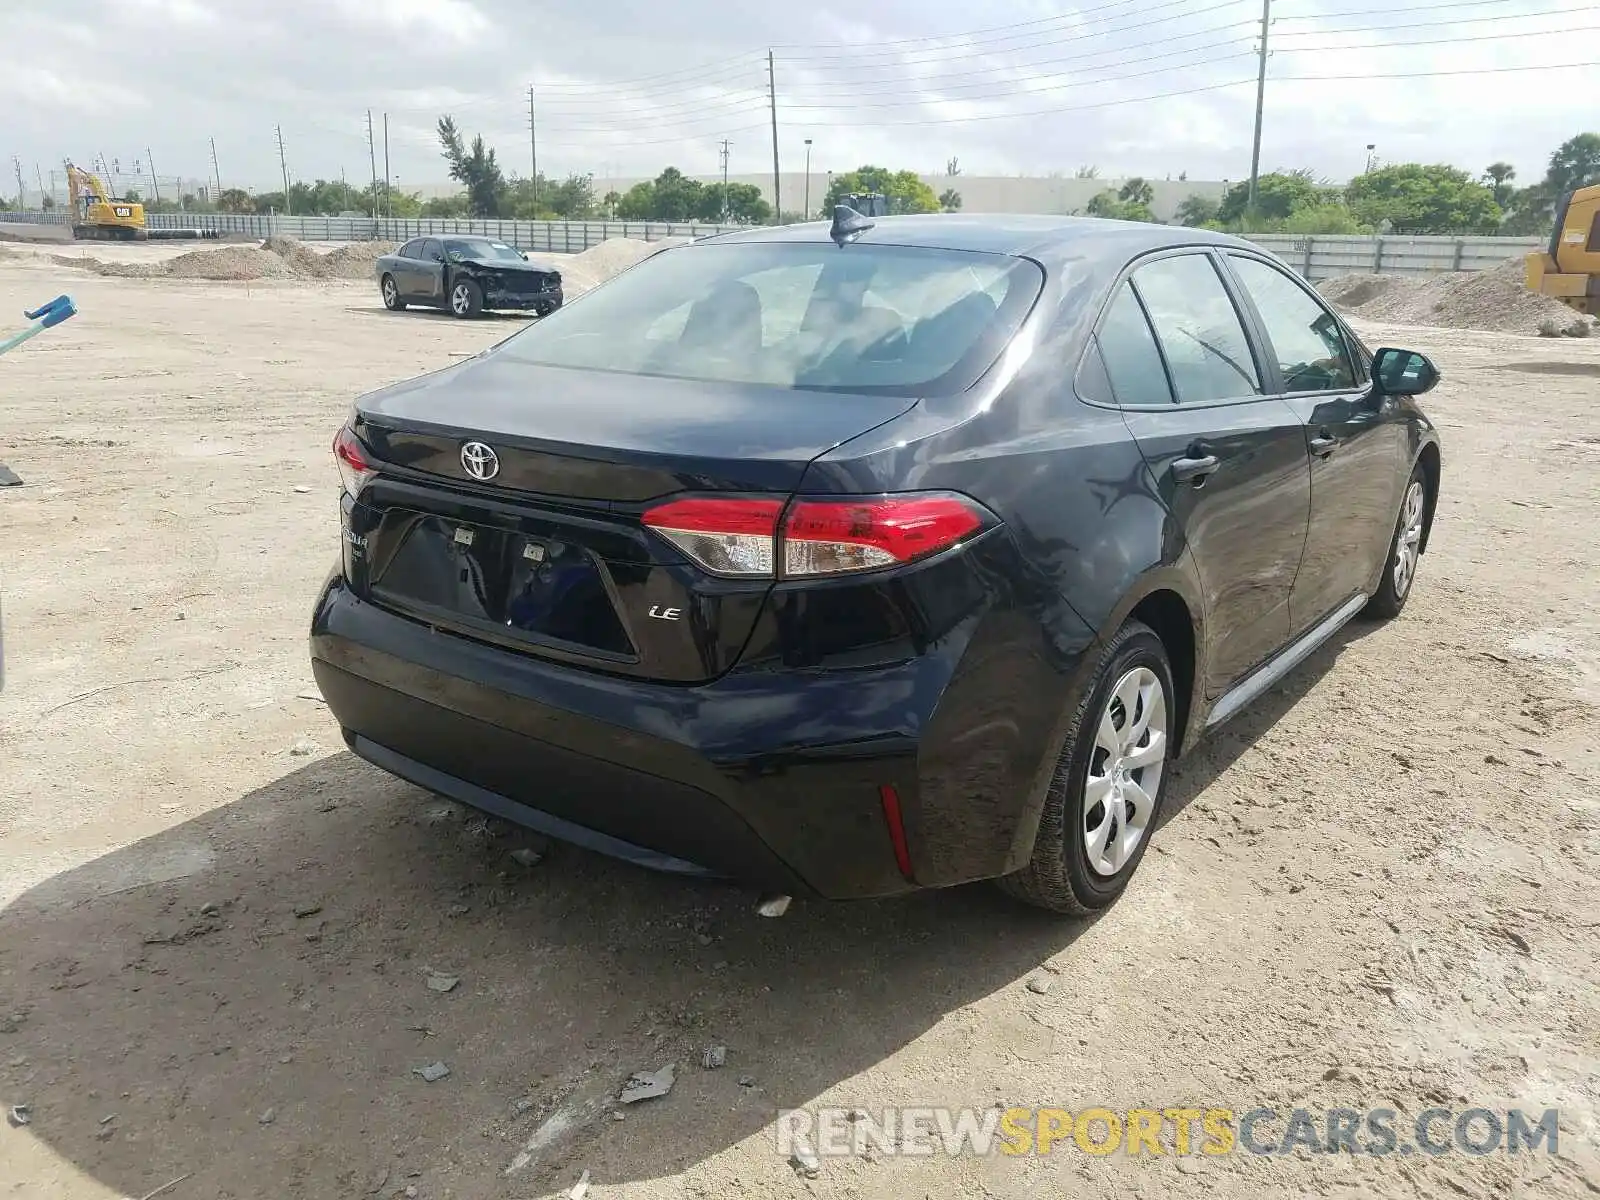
(467, 276)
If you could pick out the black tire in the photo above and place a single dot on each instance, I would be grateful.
(1394, 586)
(471, 299)
(1060, 877)
(390, 291)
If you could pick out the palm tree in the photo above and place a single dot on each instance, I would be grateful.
(1499, 176)
(950, 200)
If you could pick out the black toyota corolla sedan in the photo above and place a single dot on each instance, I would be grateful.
(856, 558)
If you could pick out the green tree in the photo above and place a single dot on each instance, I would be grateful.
(950, 199)
(1110, 206)
(1423, 199)
(1195, 210)
(1575, 164)
(638, 203)
(1278, 193)
(235, 200)
(1136, 191)
(904, 190)
(447, 206)
(610, 200)
(475, 169)
(1498, 175)
(739, 203)
(1322, 218)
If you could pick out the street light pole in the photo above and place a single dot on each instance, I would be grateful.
(806, 214)
(1371, 146)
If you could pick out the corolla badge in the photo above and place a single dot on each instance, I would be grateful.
(480, 461)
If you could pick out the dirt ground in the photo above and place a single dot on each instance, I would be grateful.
(1376, 888)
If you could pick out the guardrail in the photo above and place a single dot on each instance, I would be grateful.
(1316, 257)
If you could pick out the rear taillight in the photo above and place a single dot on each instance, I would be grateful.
(726, 537)
(816, 536)
(355, 468)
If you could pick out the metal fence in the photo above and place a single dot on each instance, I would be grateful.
(1326, 255)
(1316, 258)
(556, 237)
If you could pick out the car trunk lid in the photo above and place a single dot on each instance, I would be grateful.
(534, 540)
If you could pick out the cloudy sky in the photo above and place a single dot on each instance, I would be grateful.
(1150, 87)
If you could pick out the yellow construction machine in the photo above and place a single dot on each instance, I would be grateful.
(98, 214)
(1570, 269)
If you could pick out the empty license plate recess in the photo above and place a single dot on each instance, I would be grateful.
(481, 577)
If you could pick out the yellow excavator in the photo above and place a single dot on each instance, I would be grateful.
(1570, 269)
(98, 214)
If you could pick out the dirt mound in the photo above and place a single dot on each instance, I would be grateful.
(233, 264)
(276, 258)
(608, 260)
(1496, 300)
(300, 258)
(354, 261)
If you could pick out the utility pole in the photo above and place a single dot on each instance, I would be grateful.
(724, 153)
(772, 101)
(372, 159)
(533, 150)
(155, 183)
(216, 171)
(806, 215)
(388, 202)
(1261, 99)
(283, 163)
(17, 162)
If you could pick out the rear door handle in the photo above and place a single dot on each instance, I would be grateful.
(1324, 445)
(1195, 470)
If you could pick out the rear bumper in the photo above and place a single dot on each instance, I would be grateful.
(769, 777)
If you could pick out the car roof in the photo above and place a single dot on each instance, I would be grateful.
(1042, 237)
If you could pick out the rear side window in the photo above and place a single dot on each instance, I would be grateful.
(412, 249)
(1201, 335)
(1129, 350)
(899, 320)
(1305, 336)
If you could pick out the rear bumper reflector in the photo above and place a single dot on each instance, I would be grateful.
(897, 828)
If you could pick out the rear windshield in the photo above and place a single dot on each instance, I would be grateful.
(865, 318)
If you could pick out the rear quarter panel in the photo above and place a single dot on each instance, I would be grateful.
(1086, 537)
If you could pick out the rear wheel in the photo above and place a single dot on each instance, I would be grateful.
(1405, 552)
(466, 298)
(391, 294)
(1102, 804)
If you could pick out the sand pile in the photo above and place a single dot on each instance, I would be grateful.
(354, 261)
(277, 258)
(607, 260)
(1496, 300)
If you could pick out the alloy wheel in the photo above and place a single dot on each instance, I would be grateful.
(389, 293)
(1125, 766)
(1408, 541)
(460, 300)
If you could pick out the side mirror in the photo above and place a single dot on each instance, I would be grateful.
(1403, 372)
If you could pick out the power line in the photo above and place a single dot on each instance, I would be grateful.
(1076, 34)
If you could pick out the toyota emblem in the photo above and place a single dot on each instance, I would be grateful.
(480, 461)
